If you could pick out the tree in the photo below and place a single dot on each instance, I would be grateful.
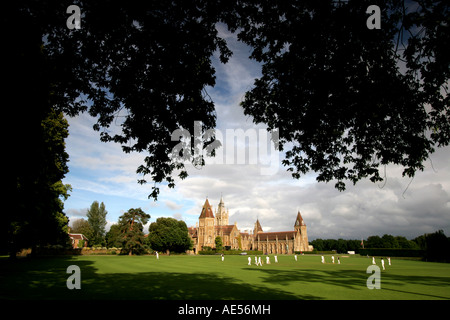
(318, 244)
(354, 245)
(131, 226)
(97, 220)
(405, 243)
(436, 246)
(39, 219)
(374, 242)
(218, 243)
(82, 226)
(389, 241)
(341, 246)
(151, 60)
(169, 234)
(114, 237)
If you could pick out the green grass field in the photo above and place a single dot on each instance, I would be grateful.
(207, 277)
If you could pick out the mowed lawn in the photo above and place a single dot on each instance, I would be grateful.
(207, 277)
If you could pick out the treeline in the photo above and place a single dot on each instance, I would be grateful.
(165, 235)
(432, 247)
(340, 245)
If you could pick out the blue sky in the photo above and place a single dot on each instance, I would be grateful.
(102, 172)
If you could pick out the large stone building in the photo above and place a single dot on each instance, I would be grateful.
(210, 226)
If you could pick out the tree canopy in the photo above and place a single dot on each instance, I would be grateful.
(346, 99)
(131, 226)
(97, 220)
(82, 226)
(169, 234)
(38, 219)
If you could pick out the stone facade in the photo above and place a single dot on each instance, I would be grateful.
(210, 226)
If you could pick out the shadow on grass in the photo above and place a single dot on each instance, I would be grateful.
(46, 278)
(177, 286)
(352, 280)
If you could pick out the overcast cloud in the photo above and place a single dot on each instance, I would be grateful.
(401, 206)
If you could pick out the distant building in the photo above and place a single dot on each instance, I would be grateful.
(210, 226)
(76, 238)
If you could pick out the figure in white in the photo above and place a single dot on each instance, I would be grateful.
(267, 260)
(157, 255)
(389, 260)
(249, 261)
(323, 259)
(223, 257)
(256, 260)
(295, 257)
(276, 259)
(373, 260)
(339, 261)
(332, 259)
(382, 263)
(259, 261)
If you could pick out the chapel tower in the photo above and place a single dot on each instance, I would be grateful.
(301, 227)
(206, 226)
(222, 214)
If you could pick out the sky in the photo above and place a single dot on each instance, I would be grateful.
(257, 187)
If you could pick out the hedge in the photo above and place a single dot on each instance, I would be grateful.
(315, 252)
(392, 252)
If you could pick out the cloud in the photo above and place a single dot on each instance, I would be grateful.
(76, 213)
(177, 216)
(362, 210)
(173, 205)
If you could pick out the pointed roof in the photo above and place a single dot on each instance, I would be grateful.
(207, 211)
(221, 204)
(258, 227)
(299, 221)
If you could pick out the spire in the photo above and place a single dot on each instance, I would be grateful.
(299, 221)
(221, 213)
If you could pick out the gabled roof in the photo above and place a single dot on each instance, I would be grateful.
(225, 229)
(207, 211)
(77, 236)
(192, 232)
